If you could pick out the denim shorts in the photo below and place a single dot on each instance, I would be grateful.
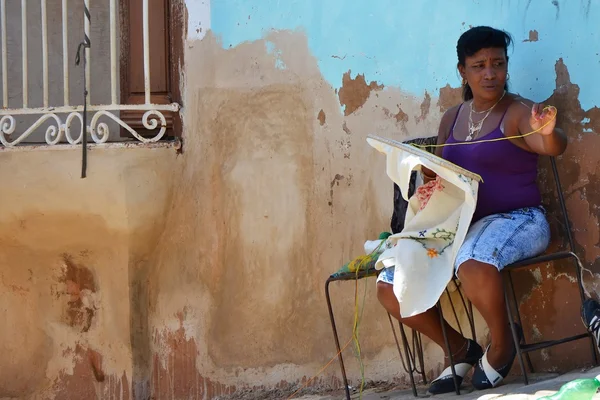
(500, 240)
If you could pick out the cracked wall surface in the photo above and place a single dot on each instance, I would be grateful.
(200, 275)
(306, 90)
(71, 251)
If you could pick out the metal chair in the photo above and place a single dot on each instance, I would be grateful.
(508, 286)
(468, 306)
(408, 361)
(410, 355)
(412, 351)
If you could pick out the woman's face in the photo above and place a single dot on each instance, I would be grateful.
(486, 73)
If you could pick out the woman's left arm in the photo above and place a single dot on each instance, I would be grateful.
(548, 139)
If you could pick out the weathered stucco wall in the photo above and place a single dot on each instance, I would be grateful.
(280, 99)
(71, 258)
(272, 199)
(201, 274)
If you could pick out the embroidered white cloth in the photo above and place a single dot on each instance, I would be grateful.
(436, 223)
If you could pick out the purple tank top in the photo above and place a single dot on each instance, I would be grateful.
(509, 173)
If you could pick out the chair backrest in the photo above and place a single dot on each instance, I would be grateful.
(561, 202)
(401, 205)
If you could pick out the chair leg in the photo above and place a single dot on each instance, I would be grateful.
(448, 349)
(472, 320)
(469, 310)
(514, 334)
(337, 341)
(409, 357)
(420, 355)
(408, 366)
(454, 312)
(518, 312)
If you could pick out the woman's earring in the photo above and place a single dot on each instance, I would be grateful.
(464, 82)
(507, 76)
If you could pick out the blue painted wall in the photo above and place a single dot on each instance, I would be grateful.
(411, 44)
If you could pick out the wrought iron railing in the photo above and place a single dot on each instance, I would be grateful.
(58, 119)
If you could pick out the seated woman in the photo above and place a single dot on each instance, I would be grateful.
(509, 223)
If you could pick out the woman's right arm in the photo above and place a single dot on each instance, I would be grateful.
(443, 133)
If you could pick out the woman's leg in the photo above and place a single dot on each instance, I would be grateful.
(482, 284)
(465, 352)
(492, 243)
(428, 323)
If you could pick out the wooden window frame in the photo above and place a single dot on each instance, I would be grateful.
(171, 19)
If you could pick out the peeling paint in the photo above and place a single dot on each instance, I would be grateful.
(198, 12)
(216, 283)
(260, 152)
(400, 116)
(578, 165)
(533, 36)
(322, 117)
(354, 92)
(449, 97)
(391, 34)
(277, 54)
(65, 264)
(425, 106)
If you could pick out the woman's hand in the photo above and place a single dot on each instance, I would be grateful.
(548, 139)
(543, 119)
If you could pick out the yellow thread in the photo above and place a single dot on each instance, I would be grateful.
(322, 369)
(362, 262)
(355, 266)
(354, 338)
(493, 140)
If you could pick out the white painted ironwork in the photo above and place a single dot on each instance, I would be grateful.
(58, 120)
(65, 43)
(4, 55)
(113, 51)
(24, 53)
(146, 52)
(45, 51)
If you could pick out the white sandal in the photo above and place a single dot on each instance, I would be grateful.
(485, 376)
(445, 382)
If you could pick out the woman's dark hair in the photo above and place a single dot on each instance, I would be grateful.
(475, 39)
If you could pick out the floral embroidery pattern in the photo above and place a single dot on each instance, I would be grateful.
(432, 253)
(424, 192)
(446, 236)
